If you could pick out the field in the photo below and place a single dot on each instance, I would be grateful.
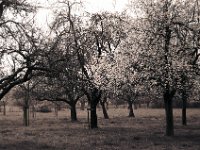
(145, 132)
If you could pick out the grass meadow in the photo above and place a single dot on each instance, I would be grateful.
(144, 132)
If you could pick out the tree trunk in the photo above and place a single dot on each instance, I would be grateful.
(4, 108)
(95, 97)
(93, 117)
(184, 80)
(56, 110)
(135, 106)
(184, 106)
(105, 113)
(148, 104)
(98, 106)
(168, 93)
(116, 105)
(139, 105)
(73, 112)
(33, 112)
(26, 115)
(107, 107)
(130, 107)
(26, 107)
(169, 114)
(82, 105)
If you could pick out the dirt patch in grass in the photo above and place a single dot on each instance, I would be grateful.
(146, 131)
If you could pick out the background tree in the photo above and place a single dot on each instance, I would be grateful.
(23, 94)
(128, 93)
(63, 81)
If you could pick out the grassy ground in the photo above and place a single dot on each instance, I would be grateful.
(145, 132)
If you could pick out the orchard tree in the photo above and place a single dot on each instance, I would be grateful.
(62, 83)
(127, 75)
(128, 93)
(160, 44)
(190, 39)
(55, 92)
(92, 38)
(24, 97)
(107, 31)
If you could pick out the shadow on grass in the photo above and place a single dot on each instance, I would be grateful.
(25, 145)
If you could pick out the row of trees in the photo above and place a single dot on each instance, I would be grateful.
(170, 50)
(102, 55)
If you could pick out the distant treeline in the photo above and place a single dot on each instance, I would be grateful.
(176, 104)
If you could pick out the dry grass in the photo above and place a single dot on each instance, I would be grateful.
(146, 131)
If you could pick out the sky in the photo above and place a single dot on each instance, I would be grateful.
(105, 5)
(91, 6)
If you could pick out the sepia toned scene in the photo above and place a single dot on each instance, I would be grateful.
(99, 74)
